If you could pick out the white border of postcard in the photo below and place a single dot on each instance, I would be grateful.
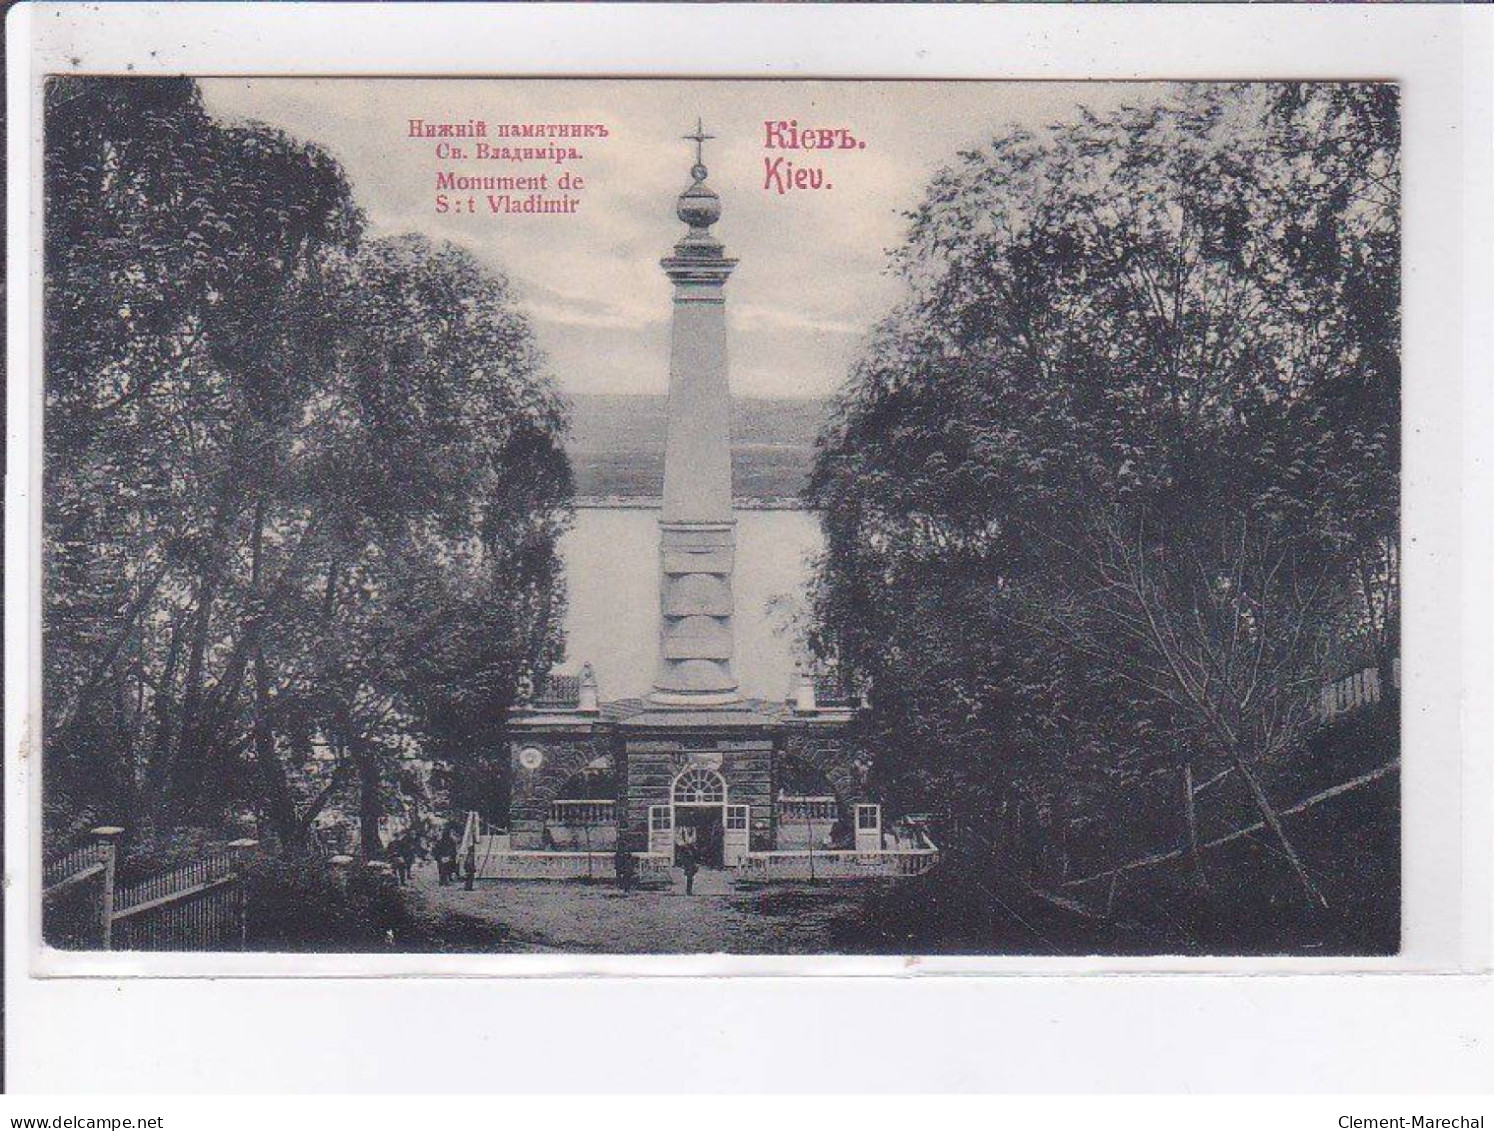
(1440, 55)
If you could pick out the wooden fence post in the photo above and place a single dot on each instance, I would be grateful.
(238, 851)
(107, 837)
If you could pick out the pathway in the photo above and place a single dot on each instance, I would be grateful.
(542, 916)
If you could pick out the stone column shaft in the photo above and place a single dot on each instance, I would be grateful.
(697, 533)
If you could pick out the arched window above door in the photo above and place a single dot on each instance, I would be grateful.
(699, 786)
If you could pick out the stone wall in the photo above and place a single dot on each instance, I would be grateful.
(746, 764)
(802, 834)
(540, 765)
(581, 838)
(543, 758)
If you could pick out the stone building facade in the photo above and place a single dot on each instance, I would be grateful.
(720, 771)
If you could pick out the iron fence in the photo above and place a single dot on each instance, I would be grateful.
(201, 905)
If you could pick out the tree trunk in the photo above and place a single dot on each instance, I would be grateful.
(370, 802)
(313, 809)
(181, 759)
(157, 759)
(125, 768)
(1386, 634)
(1273, 822)
(278, 800)
(179, 768)
(1190, 814)
(105, 663)
(1387, 654)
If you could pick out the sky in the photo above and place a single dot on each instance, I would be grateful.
(812, 278)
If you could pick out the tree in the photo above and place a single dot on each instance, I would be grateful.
(1098, 495)
(433, 462)
(172, 244)
(303, 490)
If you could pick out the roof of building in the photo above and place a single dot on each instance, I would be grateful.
(642, 713)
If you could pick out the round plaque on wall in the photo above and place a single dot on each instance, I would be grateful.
(531, 757)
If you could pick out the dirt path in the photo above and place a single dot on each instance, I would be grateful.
(540, 916)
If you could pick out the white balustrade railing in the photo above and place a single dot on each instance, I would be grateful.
(471, 831)
(582, 811)
(800, 810)
(840, 863)
(837, 864)
(546, 865)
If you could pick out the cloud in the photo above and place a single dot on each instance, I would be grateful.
(811, 281)
(748, 316)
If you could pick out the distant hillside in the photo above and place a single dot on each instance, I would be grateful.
(617, 446)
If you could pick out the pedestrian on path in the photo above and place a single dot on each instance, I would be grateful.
(446, 857)
(409, 849)
(691, 865)
(398, 859)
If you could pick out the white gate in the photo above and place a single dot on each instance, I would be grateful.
(661, 830)
(734, 848)
(868, 828)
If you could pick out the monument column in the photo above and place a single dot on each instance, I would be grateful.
(697, 534)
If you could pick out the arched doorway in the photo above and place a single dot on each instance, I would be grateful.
(582, 817)
(811, 809)
(698, 805)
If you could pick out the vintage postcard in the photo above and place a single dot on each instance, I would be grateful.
(583, 516)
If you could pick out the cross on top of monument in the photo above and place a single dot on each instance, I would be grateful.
(699, 137)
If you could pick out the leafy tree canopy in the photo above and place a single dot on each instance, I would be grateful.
(1117, 485)
(303, 488)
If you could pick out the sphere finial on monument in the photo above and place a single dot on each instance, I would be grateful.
(698, 206)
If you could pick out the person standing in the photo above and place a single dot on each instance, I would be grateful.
(395, 854)
(446, 857)
(409, 850)
(691, 864)
(470, 864)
